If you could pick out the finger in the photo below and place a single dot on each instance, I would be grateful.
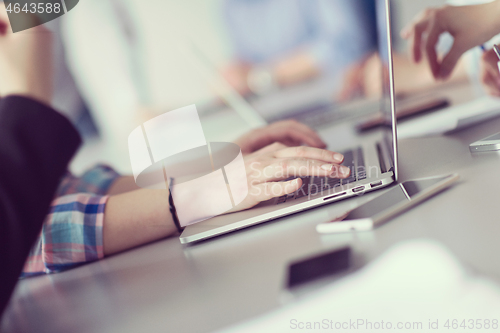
(352, 84)
(269, 190)
(290, 142)
(405, 33)
(490, 63)
(310, 152)
(430, 48)
(491, 84)
(291, 137)
(493, 92)
(276, 146)
(450, 61)
(494, 77)
(304, 133)
(416, 40)
(289, 132)
(408, 30)
(285, 168)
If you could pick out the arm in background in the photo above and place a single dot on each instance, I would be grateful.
(36, 144)
(470, 26)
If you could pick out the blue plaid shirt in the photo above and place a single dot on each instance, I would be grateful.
(72, 231)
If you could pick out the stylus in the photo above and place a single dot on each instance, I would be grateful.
(497, 51)
(345, 226)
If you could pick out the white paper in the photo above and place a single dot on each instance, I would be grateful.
(415, 283)
(442, 121)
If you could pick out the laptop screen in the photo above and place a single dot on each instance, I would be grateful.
(316, 61)
(388, 97)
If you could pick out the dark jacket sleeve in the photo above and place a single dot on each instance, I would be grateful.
(36, 145)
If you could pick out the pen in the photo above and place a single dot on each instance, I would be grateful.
(497, 50)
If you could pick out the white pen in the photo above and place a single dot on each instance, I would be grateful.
(497, 51)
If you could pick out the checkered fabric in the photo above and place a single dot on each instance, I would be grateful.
(72, 231)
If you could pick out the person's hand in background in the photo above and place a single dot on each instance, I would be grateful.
(261, 79)
(469, 25)
(287, 132)
(362, 80)
(490, 75)
(25, 60)
(236, 74)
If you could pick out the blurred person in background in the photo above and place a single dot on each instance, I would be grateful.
(136, 60)
(36, 145)
(278, 43)
(101, 212)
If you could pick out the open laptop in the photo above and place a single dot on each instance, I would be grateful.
(373, 166)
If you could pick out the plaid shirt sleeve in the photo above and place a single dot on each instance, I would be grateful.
(72, 231)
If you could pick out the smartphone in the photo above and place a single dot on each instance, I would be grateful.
(393, 202)
(406, 109)
(319, 266)
(490, 143)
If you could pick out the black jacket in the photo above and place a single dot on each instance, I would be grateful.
(36, 145)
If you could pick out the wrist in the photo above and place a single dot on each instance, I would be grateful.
(19, 86)
(42, 95)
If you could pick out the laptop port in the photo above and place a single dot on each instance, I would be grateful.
(376, 184)
(335, 196)
(358, 189)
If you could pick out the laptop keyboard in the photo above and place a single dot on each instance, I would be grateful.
(353, 159)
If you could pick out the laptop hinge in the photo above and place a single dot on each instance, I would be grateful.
(381, 158)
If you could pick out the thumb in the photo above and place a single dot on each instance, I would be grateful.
(450, 61)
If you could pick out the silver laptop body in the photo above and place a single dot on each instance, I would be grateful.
(373, 166)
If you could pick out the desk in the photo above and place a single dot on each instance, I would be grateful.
(165, 287)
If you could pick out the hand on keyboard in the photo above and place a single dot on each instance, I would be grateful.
(353, 159)
(277, 170)
(288, 132)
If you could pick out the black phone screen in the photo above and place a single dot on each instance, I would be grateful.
(319, 266)
(402, 192)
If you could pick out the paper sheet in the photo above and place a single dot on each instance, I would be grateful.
(451, 118)
(415, 286)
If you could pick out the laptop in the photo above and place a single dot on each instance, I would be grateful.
(373, 166)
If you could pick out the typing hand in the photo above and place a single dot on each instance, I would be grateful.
(469, 25)
(287, 132)
(269, 167)
(25, 60)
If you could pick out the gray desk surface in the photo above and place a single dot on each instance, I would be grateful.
(164, 287)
